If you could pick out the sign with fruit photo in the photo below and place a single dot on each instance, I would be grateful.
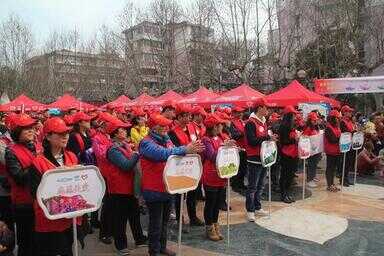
(268, 153)
(182, 173)
(227, 162)
(70, 192)
(304, 147)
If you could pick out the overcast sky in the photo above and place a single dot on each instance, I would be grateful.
(48, 15)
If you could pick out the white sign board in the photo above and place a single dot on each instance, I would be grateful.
(345, 142)
(227, 162)
(317, 143)
(304, 146)
(357, 140)
(268, 153)
(70, 192)
(182, 173)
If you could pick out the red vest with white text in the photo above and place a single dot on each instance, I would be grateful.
(332, 149)
(210, 175)
(261, 130)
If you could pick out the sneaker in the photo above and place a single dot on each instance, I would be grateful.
(251, 216)
(316, 180)
(261, 212)
(167, 252)
(172, 216)
(311, 184)
(123, 252)
(105, 240)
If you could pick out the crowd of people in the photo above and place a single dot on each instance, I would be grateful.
(131, 146)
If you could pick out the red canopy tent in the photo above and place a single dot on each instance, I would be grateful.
(166, 97)
(67, 102)
(295, 93)
(242, 96)
(203, 97)
(23, 103)
(142, 100)
(121, 101)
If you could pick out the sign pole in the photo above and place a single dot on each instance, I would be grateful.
(342, 177)
(304, 178)
(75, 243)
(180, 224)
(228, 206)
(354, 179)
(269, 192)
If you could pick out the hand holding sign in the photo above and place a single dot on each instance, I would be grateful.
(195, 147)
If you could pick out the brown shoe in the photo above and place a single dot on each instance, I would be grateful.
(217, 230)
(211, 233)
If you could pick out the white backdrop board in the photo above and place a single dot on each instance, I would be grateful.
(70, 192)
(182, 173)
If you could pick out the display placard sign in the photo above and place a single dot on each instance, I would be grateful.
(182, 173)
(317, 143)
(304, 146)
(345, 142)
(70, 192)
(268, 153)
(357, 140)
(227, 162)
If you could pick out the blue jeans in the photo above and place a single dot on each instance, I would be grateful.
(256, 181)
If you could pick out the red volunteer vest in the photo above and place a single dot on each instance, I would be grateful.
(80, 141)
(350, 126)
(260, 131)
(332, 149)
(119, 181)
(152, 172)
(200, 130)
(290, 150)
(42, 224)
(183, 137)
(100, 144)
(240, 126)
(210, 176)
(22, 194)
(308, 131)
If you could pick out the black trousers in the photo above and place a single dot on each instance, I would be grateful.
(25, 224)
(125, 208)
(275, 173)
(349, 164)
(213, 197)
(287, 173)
(191, 205)
(158, 225)
(106, 217)
(54, 243)
(238, 180)
(6, 214)
(333, 166)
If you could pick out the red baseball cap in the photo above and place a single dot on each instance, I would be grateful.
(199, 110)
(260, 103)
(335, 113)
(55, 125)
(81, 116)
(182, 108)
(68, 119)
(289, 109)
(20, 120)
(346, 108)
(313, 116)
(137, 111)
(274, 117)
(223, 116)
(158, 119)
(106, 117)
(116, 124)
(238, 109)
(213, 119)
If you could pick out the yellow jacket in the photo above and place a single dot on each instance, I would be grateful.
(138, 133)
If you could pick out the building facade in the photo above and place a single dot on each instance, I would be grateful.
(88, 76)
(167, 56)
